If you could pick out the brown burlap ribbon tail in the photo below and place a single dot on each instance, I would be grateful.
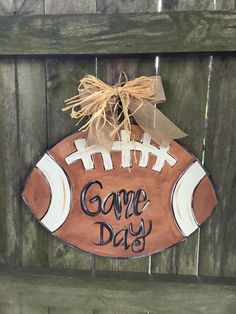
(110, 108)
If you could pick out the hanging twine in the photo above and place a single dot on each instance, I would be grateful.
(105, 105)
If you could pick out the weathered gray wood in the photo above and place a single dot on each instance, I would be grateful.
(69, 7)
(218, 242)
(187, 5)
(68, 310)
(19, 308)
(185, 81)
(31, 93)
(74, 310)
(62, 80)
(102, 34)
(217, 238)
(10, 245)
(185, 84)
(32, 144)
(29, 7)
(179, 75)
(225, 4)
(123, 293)
(126, 6)
(10, 239)
(109, 71)
(6, 308)
(32, 309)
(7, 7)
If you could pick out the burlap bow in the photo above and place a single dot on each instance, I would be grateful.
(110, 108)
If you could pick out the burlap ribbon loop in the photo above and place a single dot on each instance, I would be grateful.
(109, 108)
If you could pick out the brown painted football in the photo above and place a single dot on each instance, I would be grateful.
(134, 201)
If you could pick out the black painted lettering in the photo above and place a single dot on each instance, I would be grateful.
(110, 233)
(138, 244)
(108, 203)
(128, 199)
(126, 203)
(141, 200)
(123, 240)
(94, 199)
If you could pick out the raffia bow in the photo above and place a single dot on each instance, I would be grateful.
(110, 108)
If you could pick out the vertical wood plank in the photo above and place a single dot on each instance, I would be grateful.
(70, 6)
(33, 309)
(62, 81)
(126, 6)
(187, 5)
(63, 76)
(32, 144)
(31, 93)
(29, 7)
(6, 308)
(67, 310)
(225, 4)
(186, 89)
(10, 218)
(109, 70)
(7, 7)
(217, 241)
(185, 80)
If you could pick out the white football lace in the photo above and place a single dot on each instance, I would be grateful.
(125, 146)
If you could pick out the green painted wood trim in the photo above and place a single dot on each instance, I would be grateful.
(89, 34)
(124, 292)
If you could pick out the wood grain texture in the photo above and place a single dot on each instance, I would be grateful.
(225, 5)
(63, 77)
(70, 6)
(7, 7)
(218, 245)
(217, 238)
(7, 308)
(29, 7)
(109, 70)
(187, 5)
(68, 310)
(62, 80)
(32, 144)
(123, 293)
(185, 82)
(222, 260)
(10, 231)
(101, 34)
(31, 95)
(19, 308)
(186, 89)
(126, 6)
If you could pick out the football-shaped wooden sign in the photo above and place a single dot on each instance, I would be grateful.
(135, 201)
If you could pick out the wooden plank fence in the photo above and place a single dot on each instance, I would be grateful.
(104, 291)
(200, 91)
(89, 34)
